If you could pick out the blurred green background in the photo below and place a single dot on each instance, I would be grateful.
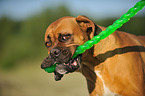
(22, 50)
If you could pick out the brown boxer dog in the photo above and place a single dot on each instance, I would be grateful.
(114, 66)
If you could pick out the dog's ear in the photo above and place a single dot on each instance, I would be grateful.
(87, 25)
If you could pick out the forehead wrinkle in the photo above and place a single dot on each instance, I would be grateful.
(65, 26)
(51, 34)
(54, 24)
(60, 26)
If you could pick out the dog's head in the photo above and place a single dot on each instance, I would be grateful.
(62, 38)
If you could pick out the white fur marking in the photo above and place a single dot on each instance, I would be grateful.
(107, 91)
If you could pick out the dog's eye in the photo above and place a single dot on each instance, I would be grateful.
(48, 44)
(65, 37)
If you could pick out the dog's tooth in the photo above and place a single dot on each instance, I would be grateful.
(75, 63)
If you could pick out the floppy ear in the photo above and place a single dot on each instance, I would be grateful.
(88, 25)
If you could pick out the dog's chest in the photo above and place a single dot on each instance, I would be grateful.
(106, 90)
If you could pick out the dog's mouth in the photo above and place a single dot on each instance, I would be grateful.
(69, 66)
(62, 68)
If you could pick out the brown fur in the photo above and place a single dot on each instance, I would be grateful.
(119, 58)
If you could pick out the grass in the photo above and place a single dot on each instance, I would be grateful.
(31, 80)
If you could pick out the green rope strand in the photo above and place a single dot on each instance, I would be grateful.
(109, 30)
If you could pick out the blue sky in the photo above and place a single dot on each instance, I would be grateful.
(99, 9)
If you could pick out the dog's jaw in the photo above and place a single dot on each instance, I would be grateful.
(62, 68)
(70, 66)
(65, 68)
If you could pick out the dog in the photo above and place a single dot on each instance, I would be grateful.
(113, 67)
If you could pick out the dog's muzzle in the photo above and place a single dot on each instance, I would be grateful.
(62, 57)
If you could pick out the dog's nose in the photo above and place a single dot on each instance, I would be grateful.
(55, 52)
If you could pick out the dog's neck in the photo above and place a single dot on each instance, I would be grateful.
(91, 60)
(87, 68)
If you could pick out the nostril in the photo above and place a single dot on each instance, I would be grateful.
(55, 52)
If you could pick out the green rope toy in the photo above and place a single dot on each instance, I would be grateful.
(109, 30)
